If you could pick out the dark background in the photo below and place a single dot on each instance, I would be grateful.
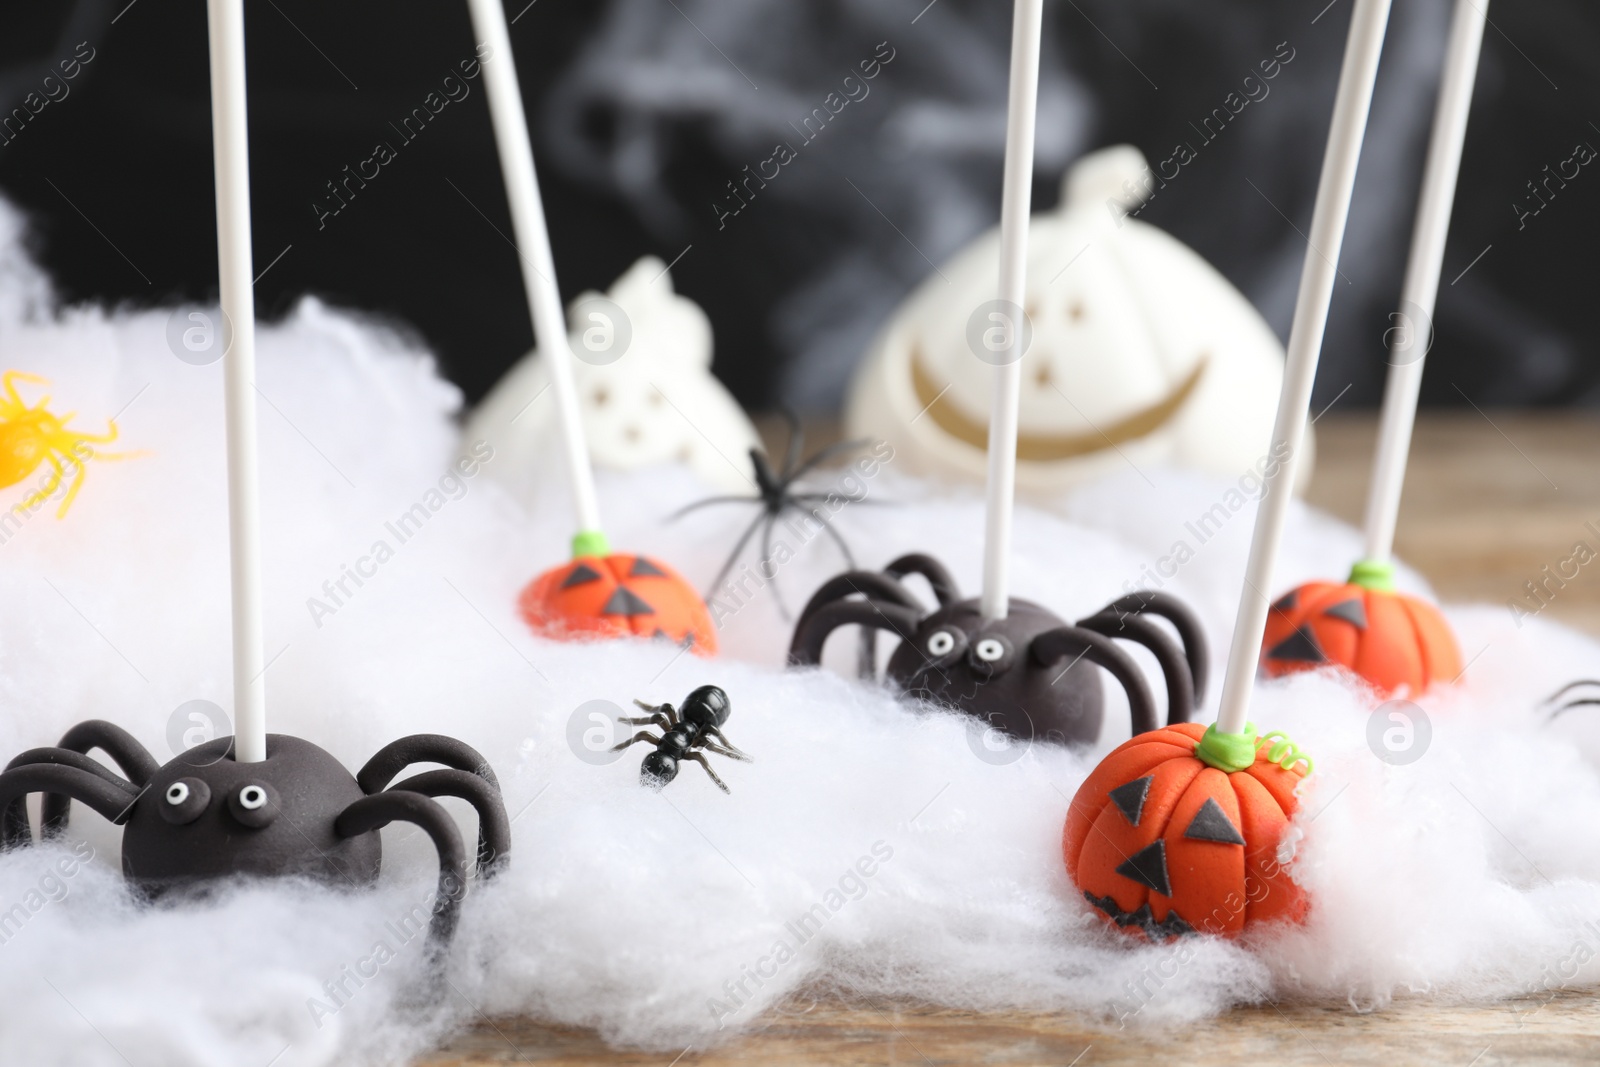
(643, 110)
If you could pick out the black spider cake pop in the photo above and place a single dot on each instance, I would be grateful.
(1021, 674)
(255, 804)
(205, 816)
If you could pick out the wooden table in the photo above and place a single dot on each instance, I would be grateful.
(1491, 499)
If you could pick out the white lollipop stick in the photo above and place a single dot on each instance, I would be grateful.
(1413, 328)
(1351, 104)
(1016, 201)
(230, 138)
(538, 264)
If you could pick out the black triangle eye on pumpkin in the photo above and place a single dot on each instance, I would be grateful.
(1129, 798)
(1211, 823)
(1389, 640)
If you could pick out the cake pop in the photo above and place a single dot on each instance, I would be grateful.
(1188, 823)
(1018, 674)
(996, 658)
(1390, 640)
(206, 815)
(669, 607)
(254, 804)
(1173, 834)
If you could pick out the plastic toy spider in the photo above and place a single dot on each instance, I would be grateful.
(775, 494)
(203, 816)
(31, 437)
(1590, 697)
(699, 725)
(1020, 674)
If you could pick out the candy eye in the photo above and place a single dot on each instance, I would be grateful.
(991, 655)
(941, 643)
(254, 804)
(184, 801)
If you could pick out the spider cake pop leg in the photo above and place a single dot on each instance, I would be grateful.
(111, 799)
(1183, 620)
(463, 762)
(396, 756)
(939, 580)
(1184, 668)
(494, 829)
(805, 650)
(938, 577)
(377, 811)
(874, 587)
(16, 814)
(1053, 646)
(1174, 670)
(134, 760)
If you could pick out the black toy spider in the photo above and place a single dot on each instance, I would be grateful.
(1020, 674)
(205, 816)
(698, 726)
(776, 495)
(1582, 700)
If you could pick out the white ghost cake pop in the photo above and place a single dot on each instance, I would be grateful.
(1141, 352)
(643, 372)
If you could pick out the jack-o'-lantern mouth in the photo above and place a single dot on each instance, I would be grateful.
(1039, 447)
(1142, 919)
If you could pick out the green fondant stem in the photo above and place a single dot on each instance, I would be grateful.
(1231, 753)
(1376, 575)
(590, 543)
(1227, 752)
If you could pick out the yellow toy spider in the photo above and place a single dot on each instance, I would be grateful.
(32, 436)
